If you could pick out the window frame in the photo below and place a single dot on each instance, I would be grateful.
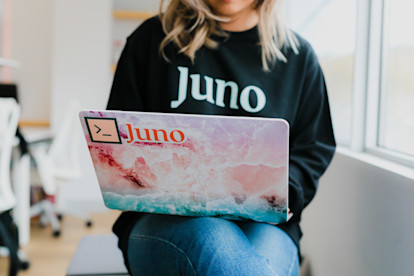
(371, 81)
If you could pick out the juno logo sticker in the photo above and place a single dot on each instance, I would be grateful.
(105, 130)
(173, 136)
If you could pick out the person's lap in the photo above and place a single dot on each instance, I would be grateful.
(174, 245)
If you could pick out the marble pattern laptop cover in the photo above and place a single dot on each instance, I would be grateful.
(192, 165)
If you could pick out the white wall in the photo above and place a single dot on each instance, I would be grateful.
(31, 46)
(361, 221)
(81, 54)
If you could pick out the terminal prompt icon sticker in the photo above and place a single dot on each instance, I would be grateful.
(103, 130)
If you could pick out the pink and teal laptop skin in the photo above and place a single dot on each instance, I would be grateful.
(191, 165)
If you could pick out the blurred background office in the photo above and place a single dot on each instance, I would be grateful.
(361, 221)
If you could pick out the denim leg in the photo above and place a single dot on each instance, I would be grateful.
(174, 245)
(274, 244)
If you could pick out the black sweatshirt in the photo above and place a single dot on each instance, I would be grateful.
(230, 81)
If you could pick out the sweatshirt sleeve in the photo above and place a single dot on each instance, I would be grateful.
(128, 85)
(312, 142)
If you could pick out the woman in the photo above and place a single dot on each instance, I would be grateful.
(230, 57)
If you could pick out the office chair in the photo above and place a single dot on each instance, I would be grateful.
(58, 163)
(9, 115)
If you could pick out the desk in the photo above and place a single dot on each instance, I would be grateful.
(36, 134)
(21, 180)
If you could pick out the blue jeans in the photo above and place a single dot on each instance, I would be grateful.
(174, 245)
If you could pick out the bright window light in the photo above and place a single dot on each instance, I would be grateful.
(396, 128)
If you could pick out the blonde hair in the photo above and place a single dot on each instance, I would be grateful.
(190, 25)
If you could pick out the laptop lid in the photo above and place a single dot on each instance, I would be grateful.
(191, 165)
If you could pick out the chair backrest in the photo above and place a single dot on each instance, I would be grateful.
(9, 116)
(64, 150)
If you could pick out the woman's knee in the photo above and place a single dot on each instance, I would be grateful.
(148, 255)
(199, 231)
(274, 244)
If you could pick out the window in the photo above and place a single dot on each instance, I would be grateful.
(335, 47)
(396, 127)
(367, 53)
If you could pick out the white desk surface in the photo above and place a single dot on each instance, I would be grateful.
(36, 134)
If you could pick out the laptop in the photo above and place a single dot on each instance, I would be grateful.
(191, 165)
